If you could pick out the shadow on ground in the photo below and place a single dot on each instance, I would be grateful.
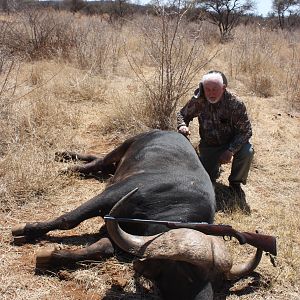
(239, 288)
(229, 200)
(143, 291)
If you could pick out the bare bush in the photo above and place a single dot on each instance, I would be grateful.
(261, 85)
(208, 33)
(86, 42)
(293, 78)
(265, 61)
(176, 56)
(36, 34)
(7, 91)
(97, 45)
(126, 117)
(251, 54)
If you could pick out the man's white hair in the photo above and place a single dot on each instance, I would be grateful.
(213, 77)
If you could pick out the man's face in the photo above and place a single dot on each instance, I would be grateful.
(213, 91)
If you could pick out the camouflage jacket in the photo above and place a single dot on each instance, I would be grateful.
(223, 123)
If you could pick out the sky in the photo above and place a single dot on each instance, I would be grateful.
(263, 7)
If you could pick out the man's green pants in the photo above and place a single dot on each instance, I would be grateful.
(241, 162)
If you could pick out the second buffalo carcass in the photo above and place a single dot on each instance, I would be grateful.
(172, 185)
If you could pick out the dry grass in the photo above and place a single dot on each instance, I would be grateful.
(89, 104)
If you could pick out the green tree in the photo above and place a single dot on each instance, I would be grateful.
(225, 13)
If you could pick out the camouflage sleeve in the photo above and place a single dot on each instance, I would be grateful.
(242, 127)
(188, 112)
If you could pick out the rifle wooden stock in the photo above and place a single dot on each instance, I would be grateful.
(266, 243)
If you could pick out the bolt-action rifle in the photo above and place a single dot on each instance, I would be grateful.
(266, 243)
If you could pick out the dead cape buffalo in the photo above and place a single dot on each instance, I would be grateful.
(172, 185)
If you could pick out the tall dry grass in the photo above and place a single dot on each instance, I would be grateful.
(251, 57)
(87, 42)
(33, 125)
(265, 61)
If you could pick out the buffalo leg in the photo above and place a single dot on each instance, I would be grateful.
(67, 221)
(97, 164)
(97, 251)
(68, 155)
(97, 206)
(93, 163)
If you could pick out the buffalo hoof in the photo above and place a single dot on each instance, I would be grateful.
(65, 156)
(18, 230)
(20, 240)
(43, 258)
(65, 171)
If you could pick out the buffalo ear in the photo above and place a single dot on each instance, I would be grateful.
(150, 268)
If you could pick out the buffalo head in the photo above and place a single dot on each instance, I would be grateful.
(183, 261)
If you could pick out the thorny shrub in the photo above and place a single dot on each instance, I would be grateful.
(176, 56)
(37, 34)
(87, 42)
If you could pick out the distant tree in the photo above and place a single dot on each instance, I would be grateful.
(74, 5)
(293, 20)
(225, 13)
(9, 5)
(119, 8)
(121, 4)
(4, 5)
(282, 8)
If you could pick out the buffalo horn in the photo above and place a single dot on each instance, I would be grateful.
(243, 269)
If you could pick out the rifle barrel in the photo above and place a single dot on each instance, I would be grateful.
(145, 221)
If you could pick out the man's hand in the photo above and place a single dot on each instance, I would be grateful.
(226, 157)
(184, 130)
